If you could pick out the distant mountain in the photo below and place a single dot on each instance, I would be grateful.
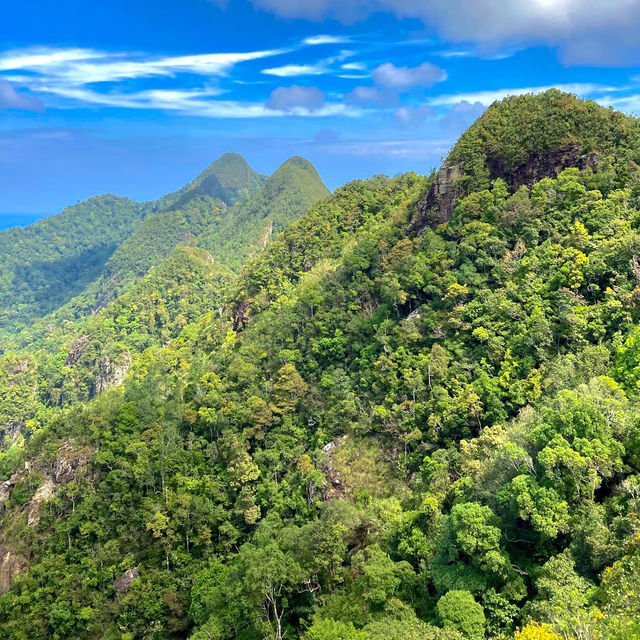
(285, 196)
(48, 263)
(92, 252)
(228, 230)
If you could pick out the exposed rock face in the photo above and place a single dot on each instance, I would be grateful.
(123, 583)
(78, 347)
(45, 491)
(69, 462)
(440, 202)
(11, 565)
(441, 199)
(111, 373)
(543, 165)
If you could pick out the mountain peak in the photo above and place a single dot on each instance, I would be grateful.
(523, 139)
(297, 165)
(227, 178)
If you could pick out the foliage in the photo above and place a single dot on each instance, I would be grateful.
(367, 434)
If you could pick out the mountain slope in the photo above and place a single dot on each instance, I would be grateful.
(292, 189)
(44, 265)
(379, 434)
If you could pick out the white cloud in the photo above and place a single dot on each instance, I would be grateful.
(293, 70)
(402, 78)
(600, 32)
(296, 99)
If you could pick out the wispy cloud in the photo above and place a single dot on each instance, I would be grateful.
(293, 70)
(325, 39)
(453, 53)
(87, 66)
(194, 103)
(628, 103)
(81, 76)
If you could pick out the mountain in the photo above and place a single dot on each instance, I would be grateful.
(228, 179)
(44, 265)
(292, 189)
(381, 426)
(93, 252)
(522, 141)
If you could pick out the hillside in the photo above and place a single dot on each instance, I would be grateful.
(46, 264)
(408, 417)
(292, 189)
(233, 208)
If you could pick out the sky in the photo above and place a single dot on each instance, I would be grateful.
(136, 97)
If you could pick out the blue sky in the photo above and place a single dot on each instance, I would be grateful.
(137, 97)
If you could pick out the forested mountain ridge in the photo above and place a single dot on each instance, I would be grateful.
(70, 287)
(378, 431)
(44, 265)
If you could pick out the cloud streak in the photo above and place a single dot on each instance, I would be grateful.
(83, 76)
(293, 70)
(87, 66)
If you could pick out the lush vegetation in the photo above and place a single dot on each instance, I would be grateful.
(366, 435)
(44, 265)
(229, 209)
(554, 129)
